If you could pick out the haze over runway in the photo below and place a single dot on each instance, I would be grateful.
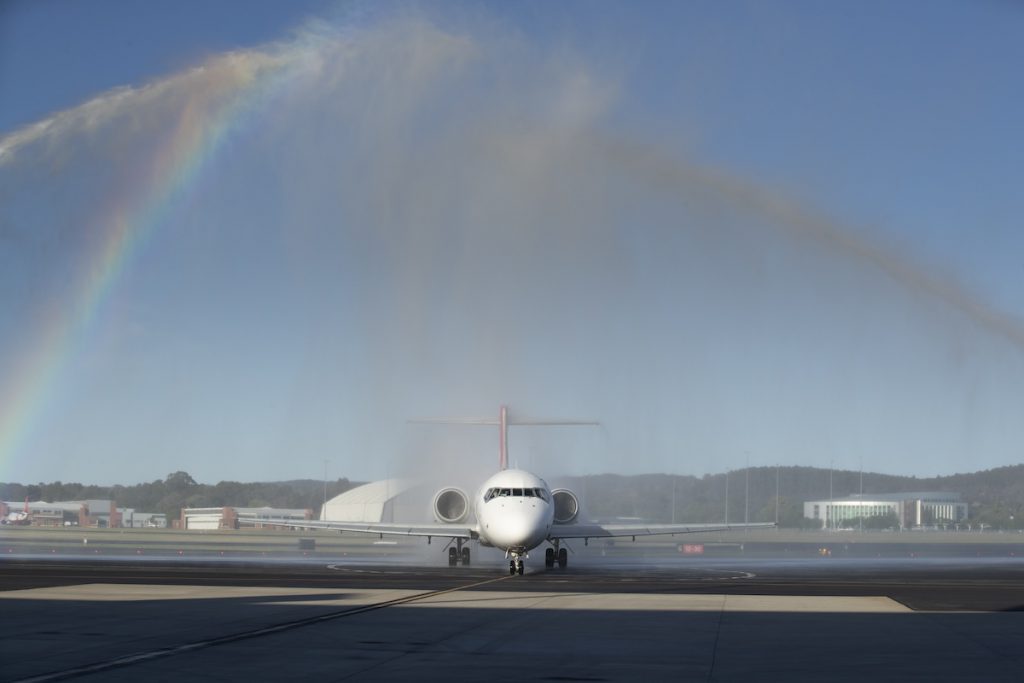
(240, 240)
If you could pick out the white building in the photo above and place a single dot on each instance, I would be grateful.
(227, 517)
(149, 520)
(911, 509)
(373, 502)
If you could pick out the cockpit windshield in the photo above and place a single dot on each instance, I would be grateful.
(515, 493)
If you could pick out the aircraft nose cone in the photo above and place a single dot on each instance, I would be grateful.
(517, 524)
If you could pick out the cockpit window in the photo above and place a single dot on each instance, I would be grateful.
(529, 493)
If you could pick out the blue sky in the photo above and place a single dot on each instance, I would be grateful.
(775, 232)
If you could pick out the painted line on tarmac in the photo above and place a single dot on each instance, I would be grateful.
(139, 657)
(733, 575)
(352, 570)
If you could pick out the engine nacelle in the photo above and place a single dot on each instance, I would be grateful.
(451, 505)
(567, 506)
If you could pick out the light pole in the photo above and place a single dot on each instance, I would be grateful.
(673, 499)
(776, 497)
(830, 516)
(746, 493)
(861, 494)
(727, 497)
(323, 510)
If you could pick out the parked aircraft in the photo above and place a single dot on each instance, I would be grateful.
(21, 517)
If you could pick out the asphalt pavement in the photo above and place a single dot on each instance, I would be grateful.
(681, 618)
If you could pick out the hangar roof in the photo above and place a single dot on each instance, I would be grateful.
(374, 492)
(367, 503)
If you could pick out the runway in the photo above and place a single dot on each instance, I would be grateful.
(686, 619)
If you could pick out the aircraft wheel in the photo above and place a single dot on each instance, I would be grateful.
(563, 558)
(512, 568)
(465, 557)
(519, 567)
(549, 558)
(453, 557)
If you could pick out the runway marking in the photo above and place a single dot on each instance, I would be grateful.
(350, 570)
(735, 574)
(136, 658)
(692, 576)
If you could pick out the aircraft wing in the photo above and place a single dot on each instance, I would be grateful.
(559, 531)
(380, 528)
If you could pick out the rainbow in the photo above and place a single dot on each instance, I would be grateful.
(232, 87)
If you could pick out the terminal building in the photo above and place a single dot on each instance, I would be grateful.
(84, 513)
(910, 509)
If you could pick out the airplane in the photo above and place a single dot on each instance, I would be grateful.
(514, 510)
(20, 518)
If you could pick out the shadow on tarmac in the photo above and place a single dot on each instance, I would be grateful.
(533, 637)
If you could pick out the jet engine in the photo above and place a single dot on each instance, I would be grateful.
(451, 505)
(567, 506)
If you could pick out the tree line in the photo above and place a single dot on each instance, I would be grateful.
(995, 497)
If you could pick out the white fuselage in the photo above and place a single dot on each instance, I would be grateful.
(514, 511)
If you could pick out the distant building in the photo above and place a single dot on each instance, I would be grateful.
(373, 502)
(42, 513)
(910, 509)
(102, 513)
(227, 517)
(149, 520)
(84, 513)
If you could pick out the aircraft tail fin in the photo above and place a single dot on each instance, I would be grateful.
(503, 423)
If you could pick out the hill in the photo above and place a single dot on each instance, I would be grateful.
(996, 497)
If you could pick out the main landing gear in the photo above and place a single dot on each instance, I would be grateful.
(551, 555)
(458, 553)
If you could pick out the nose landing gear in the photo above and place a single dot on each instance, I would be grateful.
(515, 565)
